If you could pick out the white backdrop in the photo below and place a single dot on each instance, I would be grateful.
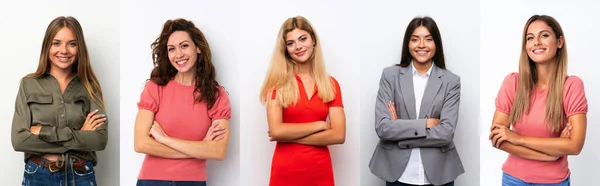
(141, 23)
(383, 24)
(501, 37)
(335, 22)
(25, 25)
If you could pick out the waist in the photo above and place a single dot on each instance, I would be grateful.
(59, 164)
(537, 171)
(157, 168)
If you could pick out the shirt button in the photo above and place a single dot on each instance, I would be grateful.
(416, 133)
(62, 102)
(62, 115)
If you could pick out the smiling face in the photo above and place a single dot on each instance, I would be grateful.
(299, 45)
(541, 42)
(421, 45)
(182, 51)
(63, 49)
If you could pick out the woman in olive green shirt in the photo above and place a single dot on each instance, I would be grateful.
(59, 119)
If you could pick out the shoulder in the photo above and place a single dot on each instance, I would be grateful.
(573, 80)
(392, 70)
(449, 76)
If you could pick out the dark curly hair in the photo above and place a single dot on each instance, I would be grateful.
(163, 71)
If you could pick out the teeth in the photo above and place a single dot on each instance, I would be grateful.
(181, 62)
(538, 50)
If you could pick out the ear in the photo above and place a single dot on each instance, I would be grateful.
(198, 50)
(561, 42)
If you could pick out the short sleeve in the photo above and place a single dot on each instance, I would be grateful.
(506, 94)
(574, 100)
(221, 109)
(149, 99)
(337, 100)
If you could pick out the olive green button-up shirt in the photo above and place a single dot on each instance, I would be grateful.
(40, 102)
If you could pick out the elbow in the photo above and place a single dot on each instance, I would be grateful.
(220, 155)
(138, 147)
(575, 151)
(340, 139)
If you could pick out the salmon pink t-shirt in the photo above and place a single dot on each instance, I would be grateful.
(534, 124)
(175, 109)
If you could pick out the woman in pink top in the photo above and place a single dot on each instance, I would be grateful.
(545, 107)
(183, 116)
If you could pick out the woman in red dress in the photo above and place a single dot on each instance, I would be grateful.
(299, 96)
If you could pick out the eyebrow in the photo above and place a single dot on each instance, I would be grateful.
(538, 32)
(298, 38)
(418, 36)
(61, 40)
(180, 42)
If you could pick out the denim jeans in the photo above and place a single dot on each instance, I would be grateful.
(404, 184)
(37, 175)
(169, 183)
(508, 180)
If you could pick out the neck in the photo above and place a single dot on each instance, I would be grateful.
(422, 68)
(302, 69)
(544, 74)
(61, 74)
(186, 78)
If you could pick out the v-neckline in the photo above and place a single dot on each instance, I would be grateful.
(304, 91)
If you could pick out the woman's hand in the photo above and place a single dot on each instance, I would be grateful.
(501, 133)
(93, 121)
(158, 133)
(392, 110)
(35, 129)
(566, 133)
(215, 132)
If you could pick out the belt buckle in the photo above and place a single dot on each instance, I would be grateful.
(50, 169)
(56, 163)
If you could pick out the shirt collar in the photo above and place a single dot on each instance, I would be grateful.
(415, 72)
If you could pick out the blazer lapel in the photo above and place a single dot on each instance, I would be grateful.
(431, 90)
(408, 91)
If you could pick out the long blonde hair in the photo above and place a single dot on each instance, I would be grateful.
(81, 67)
(280, 76)
(528, 78)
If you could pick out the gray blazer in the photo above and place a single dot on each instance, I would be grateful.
(397, 137)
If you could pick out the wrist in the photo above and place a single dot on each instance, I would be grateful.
(520, 140)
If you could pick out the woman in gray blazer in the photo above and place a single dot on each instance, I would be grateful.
(416, 113)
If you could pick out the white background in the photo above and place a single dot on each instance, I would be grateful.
(383, 25)
(141, 23)
(22, 34)
(335, 23)
(501, 37)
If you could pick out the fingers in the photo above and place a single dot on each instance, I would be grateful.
(392, 110)
(91, 114)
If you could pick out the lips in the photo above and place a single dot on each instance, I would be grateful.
(422, 52)
(300, 53)
(64, 59)
(538, 50)
(182, 62)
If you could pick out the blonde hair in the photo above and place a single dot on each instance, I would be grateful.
(528, 78)
(81, 67)
(280, 76)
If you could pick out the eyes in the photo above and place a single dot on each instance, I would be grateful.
(302, 39)
(183, 47)
(415, 39)
(70, 43)
(544, 36)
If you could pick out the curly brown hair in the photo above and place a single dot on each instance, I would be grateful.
(163, 72)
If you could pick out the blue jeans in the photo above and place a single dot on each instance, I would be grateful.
(404, 184)
(37, 175)
(508, 180)
(169, 183)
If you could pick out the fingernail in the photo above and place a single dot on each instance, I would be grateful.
(96, 110)
(103, 115)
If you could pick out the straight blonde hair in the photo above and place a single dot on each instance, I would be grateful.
(528, 78)
(280, 76)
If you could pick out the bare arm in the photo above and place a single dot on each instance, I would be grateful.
(143, 143)
(280, 131)
(335, 135)
(206, 149)
(521, 151)
(560, 146)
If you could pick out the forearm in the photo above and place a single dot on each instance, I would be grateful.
(198, 149)
(152, 147)
(438, 136)
(75, 139)
(400, 129)
(27, 142)
(552, 146)
(323, 138)
(294, 131)
(525, 152)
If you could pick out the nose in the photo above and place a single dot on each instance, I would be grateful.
(63, 49)
(178, 52)
(536, 41)
(421, 43)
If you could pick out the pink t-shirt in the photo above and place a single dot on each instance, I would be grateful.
(534, 124)
(181, 117)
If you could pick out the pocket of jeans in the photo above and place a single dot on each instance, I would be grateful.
(31, 168)
(89, 170)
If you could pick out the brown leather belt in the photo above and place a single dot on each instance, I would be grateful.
(54, 166)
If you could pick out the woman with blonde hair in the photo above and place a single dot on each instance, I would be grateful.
(545, 107)
(59, 120)
(299, 96)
